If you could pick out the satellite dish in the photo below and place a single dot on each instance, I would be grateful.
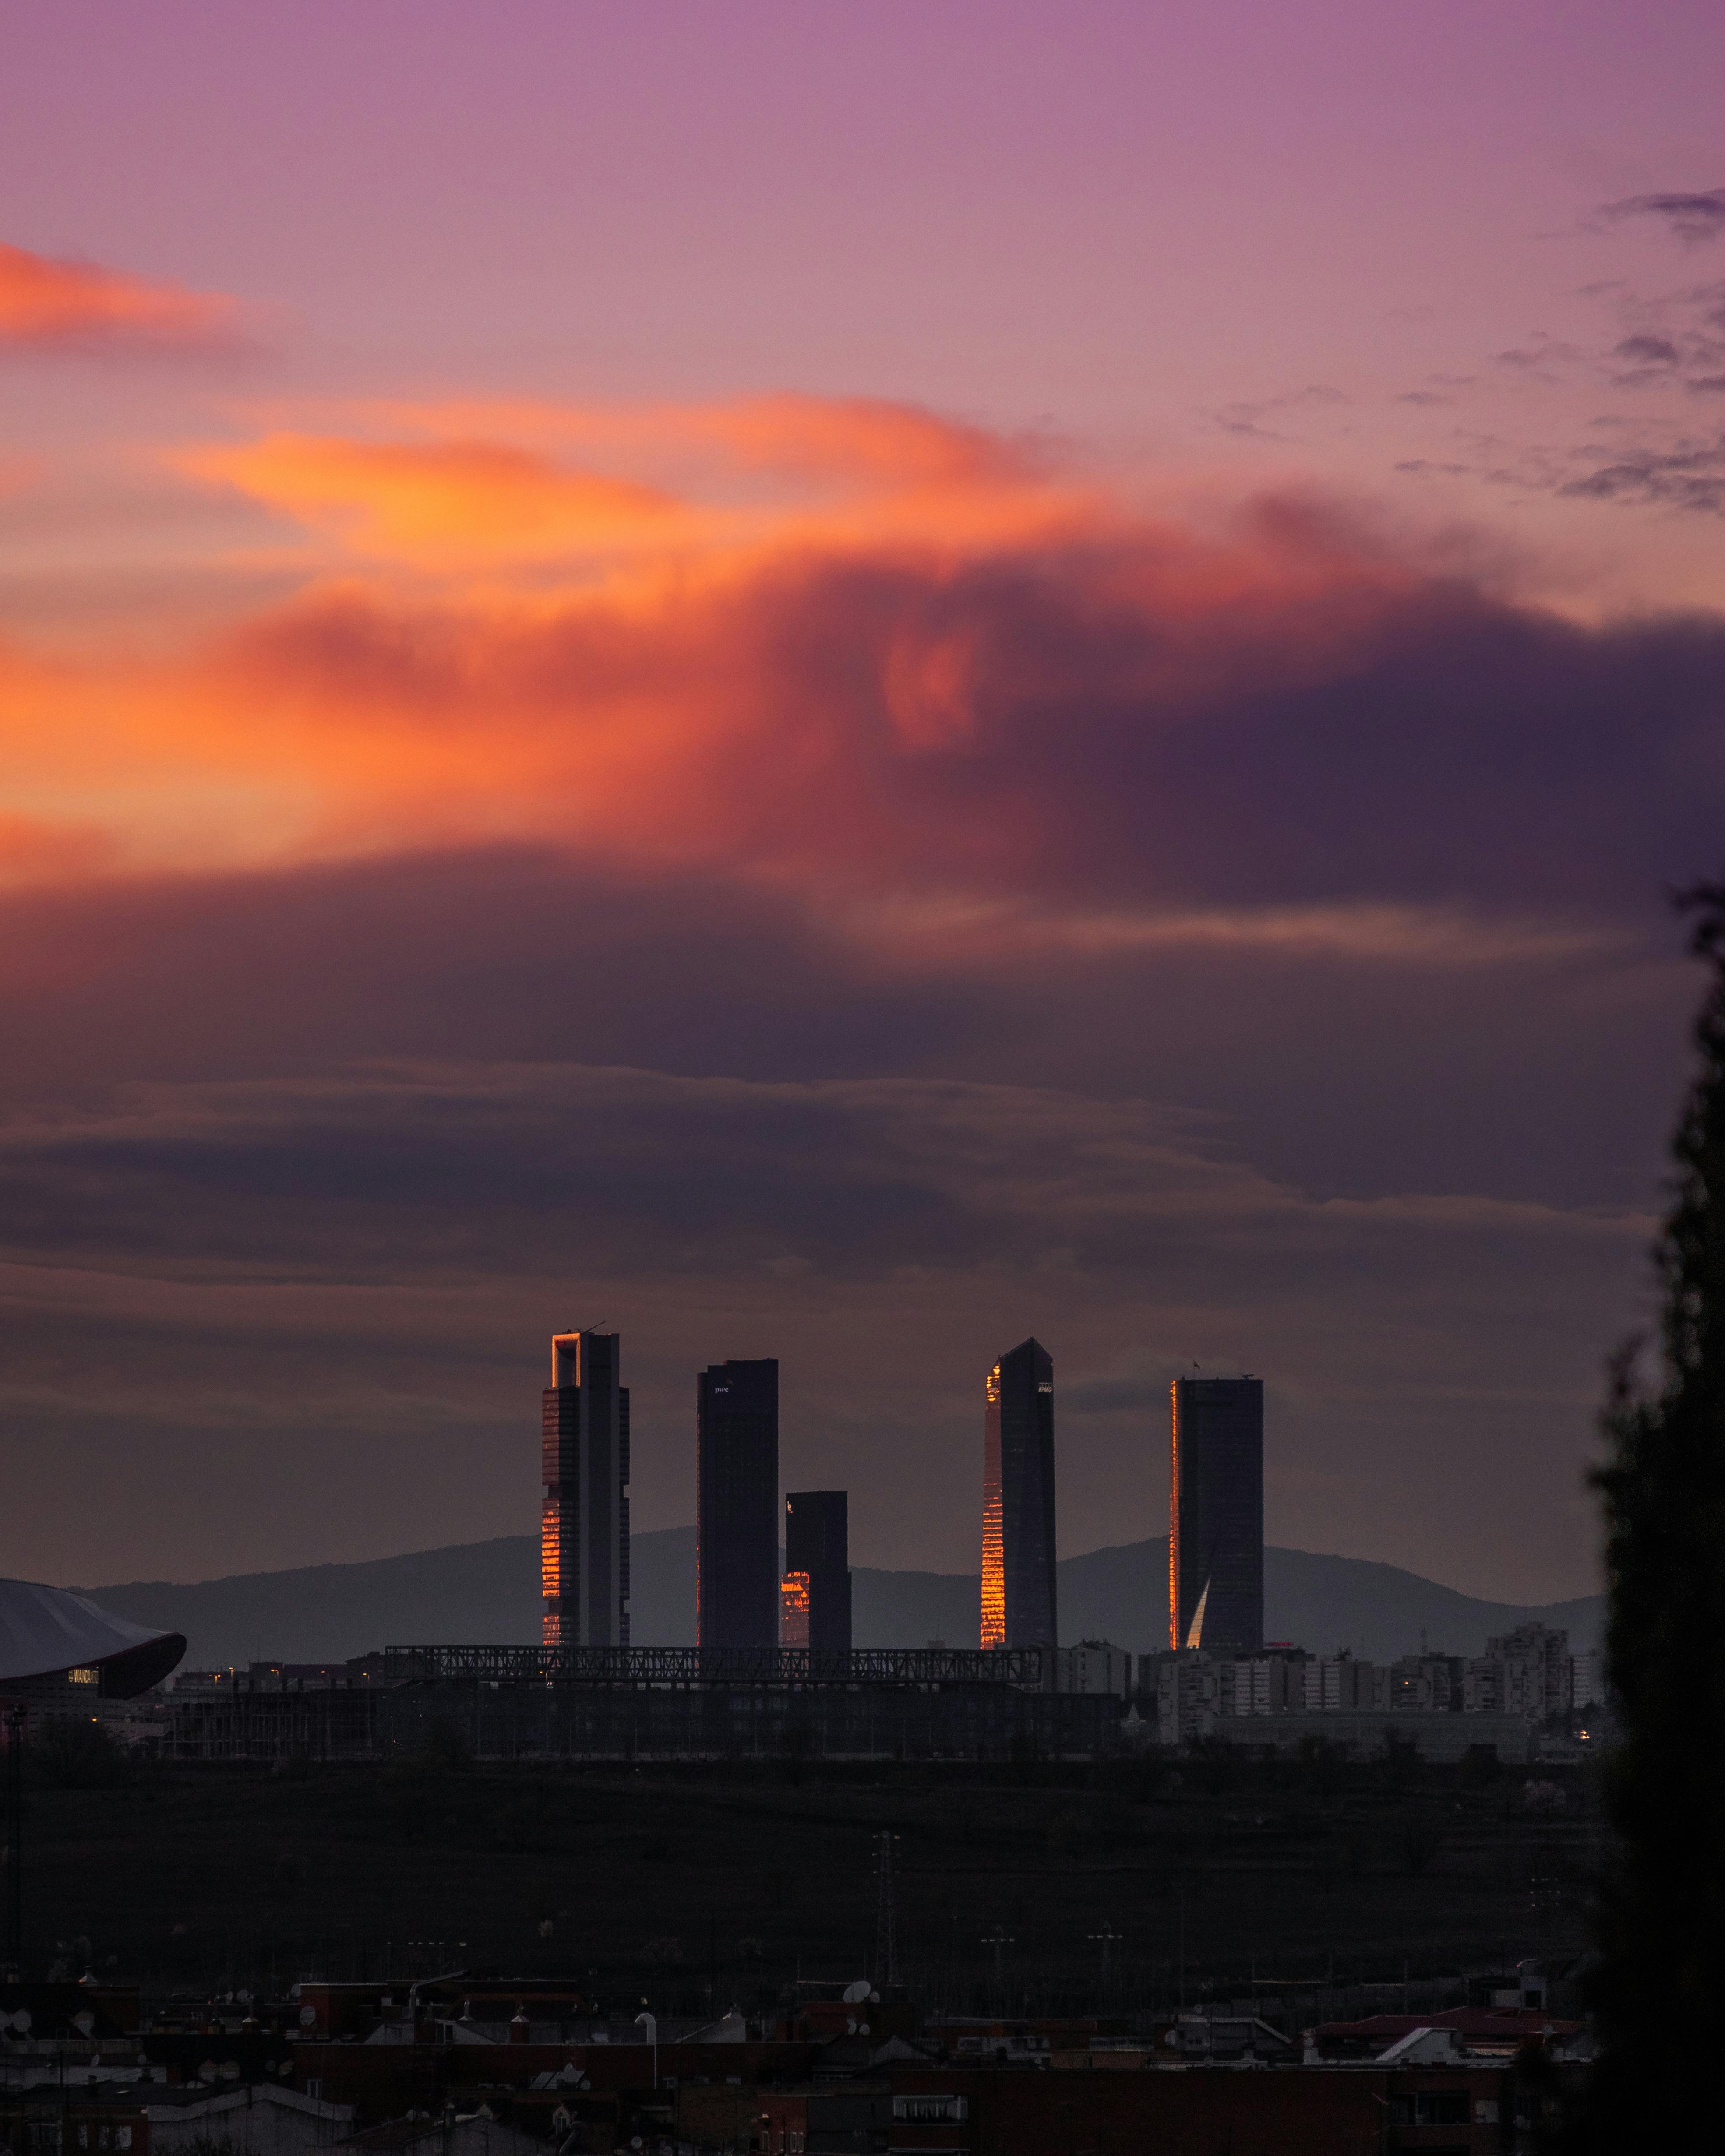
(855, 1993)
(308, 2017)
(20, 2021)
(873, 1998)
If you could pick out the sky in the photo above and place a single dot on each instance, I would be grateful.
(847, 684)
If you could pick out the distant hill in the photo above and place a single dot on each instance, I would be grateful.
(489, 1592)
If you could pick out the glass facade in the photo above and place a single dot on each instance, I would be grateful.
(794, 1609)
(816, 1543)
(583, 1520)
(1215, 1541)
(1017, 1606)
(736, 1505)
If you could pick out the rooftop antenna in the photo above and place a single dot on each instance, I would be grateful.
(1106, 1938)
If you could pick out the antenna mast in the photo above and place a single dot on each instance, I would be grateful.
(886, 1928)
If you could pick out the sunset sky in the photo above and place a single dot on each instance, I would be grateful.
(845, 682)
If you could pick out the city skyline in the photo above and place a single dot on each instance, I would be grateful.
(850, 687)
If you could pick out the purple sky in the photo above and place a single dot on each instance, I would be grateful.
(846, 683)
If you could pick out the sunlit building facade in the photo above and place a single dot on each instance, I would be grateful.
(583, 1522)
(1018, 1501)
(736, 1580)
(817, 1548)
(1215, 1537)
(794, 1609)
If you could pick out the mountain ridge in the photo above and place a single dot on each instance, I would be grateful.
(488, 1593)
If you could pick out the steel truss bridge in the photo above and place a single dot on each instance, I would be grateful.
(1031, 1668)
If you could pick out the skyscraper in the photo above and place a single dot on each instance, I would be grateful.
(1215, 1535)
(1018, 1501)
(736, 1505)
(583, 1522)
(817, 1547)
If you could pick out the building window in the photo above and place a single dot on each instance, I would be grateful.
(930, 2110)
(1429, 2107)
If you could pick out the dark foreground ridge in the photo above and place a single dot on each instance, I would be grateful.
(1213, 1875)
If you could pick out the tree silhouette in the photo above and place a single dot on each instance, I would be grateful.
(1662, 1907)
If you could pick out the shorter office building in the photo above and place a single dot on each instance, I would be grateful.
(1262, 1701)
(1094, 1666)
(817, 1558)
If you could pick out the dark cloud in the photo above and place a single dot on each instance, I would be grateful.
(1652, 351)
(1693, 218)
(1689, 477)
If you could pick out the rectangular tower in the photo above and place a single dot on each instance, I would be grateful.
(736, 1505)
(1018, 1501)
(583, 1525)
(1215, 1533)
(817, 1543)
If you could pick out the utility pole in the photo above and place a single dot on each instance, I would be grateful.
(1183, 1938)
(999, 1938)
(17, 1721)
(886, 1928)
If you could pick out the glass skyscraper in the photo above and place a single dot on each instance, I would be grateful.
(736, 1587)
(1018, 1501)
(584, 1521)
(1215, 1538)
(817, 1547)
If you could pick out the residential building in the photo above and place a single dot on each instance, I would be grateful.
(1526, 1673)
(736, 1577)
(583, 1530)
(817, 1545)
(1216, 1514)
(1017, 1604)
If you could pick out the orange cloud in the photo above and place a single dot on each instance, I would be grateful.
(467, 490)
(938, 689)
(33, 851)
(445, 503)
(53, 305)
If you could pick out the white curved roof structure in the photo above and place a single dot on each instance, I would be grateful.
(46, 1630)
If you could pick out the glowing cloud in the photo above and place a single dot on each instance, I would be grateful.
(933, 687)
(47, 304)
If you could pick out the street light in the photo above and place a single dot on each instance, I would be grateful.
(650, 2024)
